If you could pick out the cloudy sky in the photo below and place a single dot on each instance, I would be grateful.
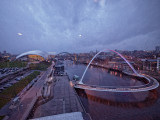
(79, 25)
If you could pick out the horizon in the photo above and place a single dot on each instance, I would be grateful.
(77, 52)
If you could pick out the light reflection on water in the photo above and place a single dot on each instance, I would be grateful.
(113, 106)
(101, 76)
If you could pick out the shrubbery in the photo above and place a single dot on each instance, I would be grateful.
(40, 66)
(8, 64)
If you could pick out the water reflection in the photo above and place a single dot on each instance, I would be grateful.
(113, 106)
(148, 101)
(105, 77)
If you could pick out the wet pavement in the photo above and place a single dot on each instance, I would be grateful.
(64, 100)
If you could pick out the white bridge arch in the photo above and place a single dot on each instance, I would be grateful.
(150, 85)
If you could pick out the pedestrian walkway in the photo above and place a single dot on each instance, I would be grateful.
(64, 100)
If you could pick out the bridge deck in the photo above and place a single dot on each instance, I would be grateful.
(152, 84)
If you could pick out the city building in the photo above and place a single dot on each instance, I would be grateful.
(157, 49)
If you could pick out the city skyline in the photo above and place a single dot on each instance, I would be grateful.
(95, 51)
(79, 26)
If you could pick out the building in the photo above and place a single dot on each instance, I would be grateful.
(35, 58)
(157, 49)
(59, 68)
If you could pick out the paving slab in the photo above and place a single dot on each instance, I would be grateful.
(64, 100)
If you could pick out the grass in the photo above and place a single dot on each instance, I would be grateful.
(8, 64)
(11, 92)
(40, 66)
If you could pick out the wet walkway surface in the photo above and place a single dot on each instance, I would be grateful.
(64, 100)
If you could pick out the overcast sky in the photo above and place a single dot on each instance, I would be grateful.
(79, 25)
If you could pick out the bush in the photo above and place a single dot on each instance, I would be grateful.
(40, 66)
(8, 64)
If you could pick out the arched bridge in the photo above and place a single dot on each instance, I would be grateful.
(150, 84)
(66, 55)
(61, 53)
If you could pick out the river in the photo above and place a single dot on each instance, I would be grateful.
(112, 105)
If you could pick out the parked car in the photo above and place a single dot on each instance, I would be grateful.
(7, 85)
(61, 73)
(1, 89)
(35, 79)
(18, 79)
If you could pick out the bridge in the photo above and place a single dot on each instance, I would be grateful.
(150, 84)
(66, 55)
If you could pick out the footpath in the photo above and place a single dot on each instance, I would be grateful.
(65, 103)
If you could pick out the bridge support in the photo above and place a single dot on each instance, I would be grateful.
(80, 82)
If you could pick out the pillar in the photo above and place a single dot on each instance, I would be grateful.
(158, 64)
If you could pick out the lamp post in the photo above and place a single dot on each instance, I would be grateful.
(158, 63)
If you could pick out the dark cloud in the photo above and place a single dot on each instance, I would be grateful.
(56, 25)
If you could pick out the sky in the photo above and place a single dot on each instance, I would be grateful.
(79, 25)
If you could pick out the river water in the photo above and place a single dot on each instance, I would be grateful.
(112, 105)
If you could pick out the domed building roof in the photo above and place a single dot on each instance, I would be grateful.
(34, 52)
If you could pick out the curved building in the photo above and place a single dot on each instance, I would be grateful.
(34, 52)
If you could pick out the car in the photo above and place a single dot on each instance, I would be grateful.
(22, 77)
(31, 83)
(7, 85)
(8, 72)
(6, 69)
(2, 72)
(11, 83)
(36, 80)
(61, 73)
(1, 89)
(16, 68)
(18, 79)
